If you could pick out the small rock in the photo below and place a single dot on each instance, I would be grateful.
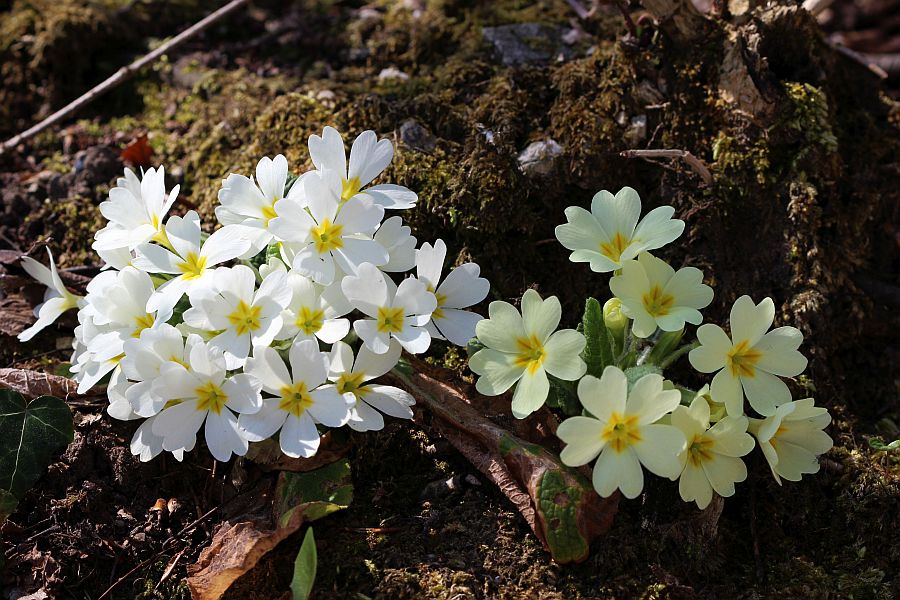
(416, 137)
(392, 73)
(637, 131)
(527, 43)
(367, 13)
(98, 164)
(539, 157)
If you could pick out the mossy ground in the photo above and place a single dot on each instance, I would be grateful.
(800, 208)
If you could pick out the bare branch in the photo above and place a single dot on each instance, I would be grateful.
(695, 163)
(122, 75)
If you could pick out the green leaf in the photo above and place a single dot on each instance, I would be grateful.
(664, 346)
(304, 568)
(633, 374)
(313, 494)
(879, 445)
(563, 395)
(30, 432)
(8, 504)
(597, 352)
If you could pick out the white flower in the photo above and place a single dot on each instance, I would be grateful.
(711, 461)
(57, 299)
(204, 392)
(524, 349)
(146, 445)
(327, 233)
(792, 438)
(751, 359)
(301, 399)
(314, 311)
(116, 258)
(368, 158)
(400, 245)
(461, 289)
(90, 366)
(350, 377)
(191, 262)
(398, 312)
(622, 430)
(136, 209)
(252, 204)
(654, 294)
(242, 315)
(610, 233)
(144, 360)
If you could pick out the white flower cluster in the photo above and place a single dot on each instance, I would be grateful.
(244, 332)
(633, 418)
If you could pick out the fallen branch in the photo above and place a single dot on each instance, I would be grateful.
(123, 74)
(695, 163)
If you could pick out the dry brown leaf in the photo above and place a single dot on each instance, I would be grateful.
(558, 502)
(32, 384)
(16, 315)
(269, 457)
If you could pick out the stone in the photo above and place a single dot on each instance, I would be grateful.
(527, 43)
(539, 157)
(392, 73)
(417, 137)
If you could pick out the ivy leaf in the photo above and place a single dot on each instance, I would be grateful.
(30, 432)
(597, 352)
(304, 568)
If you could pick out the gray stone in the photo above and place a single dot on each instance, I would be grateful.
(416, 137)
(539, 157)
(637, 131)
(527, 43)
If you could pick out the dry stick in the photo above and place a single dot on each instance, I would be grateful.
(695, 163)
(123, 74)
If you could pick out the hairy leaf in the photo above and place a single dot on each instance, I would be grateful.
(30, 432)
(304, 568)
(633, 374)
(597, 352)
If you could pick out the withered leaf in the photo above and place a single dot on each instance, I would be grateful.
(138, 152)
(16, 315)
(32, 384)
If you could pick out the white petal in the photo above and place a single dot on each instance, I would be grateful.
(503, 329)
(540, 317)
(618, 470)
(765, 392)
(223, 436)
(329, 408)
(563, 358)
(390, 400)
(659, 448)
(261, 425)
(497, 370)
(750, 322)
(605, 396)
(268, 368)
(299, 436)
(583, 439)
(531, 393)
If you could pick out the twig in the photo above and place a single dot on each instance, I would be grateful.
(695, 163)
(123, 74)
(580, 10)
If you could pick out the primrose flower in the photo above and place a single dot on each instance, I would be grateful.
(145, 357)
(350, 377)
(328, 235)
(136, 209)
(146, 445)
(242, 315)
(203, 392)
(57, 299)
(793, 438)
(623, 431)
(751, 361)
(610, 233)
(192, 263)
(301, 398)
(397, 312)
(400, 245)
(460, 289)
(314, 311)
(524, 349)
(251, 204)
(369, 156)
(654, 294)
(711, 461)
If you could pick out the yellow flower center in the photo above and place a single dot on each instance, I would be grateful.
(210, 397)
(390, 320)
(192, 267)
(309, 321)
(295, 399)
(351, 382)
(245, 318)
(657, 303)
(349, 188)
(741, 359)
(614, 248)
(774, 439)
(268, 211)
(621, 431)
(700, 449)
(531, 353)
(141, 323)
(438, 312)
(327, 236)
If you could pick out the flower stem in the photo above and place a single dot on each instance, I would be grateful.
(678, 354)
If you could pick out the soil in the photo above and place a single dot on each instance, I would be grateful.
(802, 206)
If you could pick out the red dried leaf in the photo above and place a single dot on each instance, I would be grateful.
(138, 152)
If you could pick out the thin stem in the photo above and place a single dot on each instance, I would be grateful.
(678, 354)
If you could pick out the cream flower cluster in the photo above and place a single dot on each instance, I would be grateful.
(245, 333)
(624, 415)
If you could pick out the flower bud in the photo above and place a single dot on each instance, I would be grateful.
(716, 409)
(613, 317)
